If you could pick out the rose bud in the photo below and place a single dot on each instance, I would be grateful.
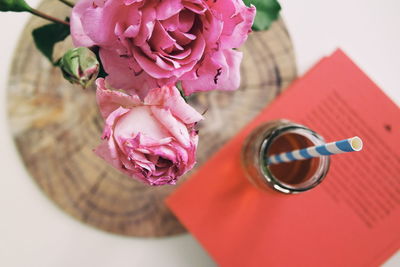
(79, 66)
(146, 42)
(153, 140)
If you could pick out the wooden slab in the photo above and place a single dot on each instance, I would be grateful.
(56, 125)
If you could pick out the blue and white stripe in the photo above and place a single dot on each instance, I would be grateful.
(348, 145)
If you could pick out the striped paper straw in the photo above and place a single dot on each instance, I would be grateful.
(348, 145)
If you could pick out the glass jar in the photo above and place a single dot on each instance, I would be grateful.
(282, 136)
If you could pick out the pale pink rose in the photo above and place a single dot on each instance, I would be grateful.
(147, 43)
(153, 140)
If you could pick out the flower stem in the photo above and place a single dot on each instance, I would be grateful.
(68, 3)
(47, 17)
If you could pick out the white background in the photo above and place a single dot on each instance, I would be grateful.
(34, 232)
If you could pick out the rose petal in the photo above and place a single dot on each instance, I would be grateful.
(175, 127)
(104, 18)
(111, 154)
(163, 180)
(166, 9)
(198, 48)
(79, 37)
(160, 38)
(110, 100)
(123, 76)
(237, 18)
(231, 81)
(104, 152)
(170, 98)
(181, 55)
(196, 6)
(147, 24)
(182, 38)
(186, 20)
(139, 120)
(219, 71)
(212, 29)
(171, 24)
(167, 152)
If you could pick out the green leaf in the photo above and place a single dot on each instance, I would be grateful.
(267, 12)
(14, 5)
(47, 36)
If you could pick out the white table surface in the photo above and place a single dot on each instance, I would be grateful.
(34, 232)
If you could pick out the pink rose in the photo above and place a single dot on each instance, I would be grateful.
(153, 140)
(148, 43)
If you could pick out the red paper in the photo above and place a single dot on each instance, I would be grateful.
(351, 219)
